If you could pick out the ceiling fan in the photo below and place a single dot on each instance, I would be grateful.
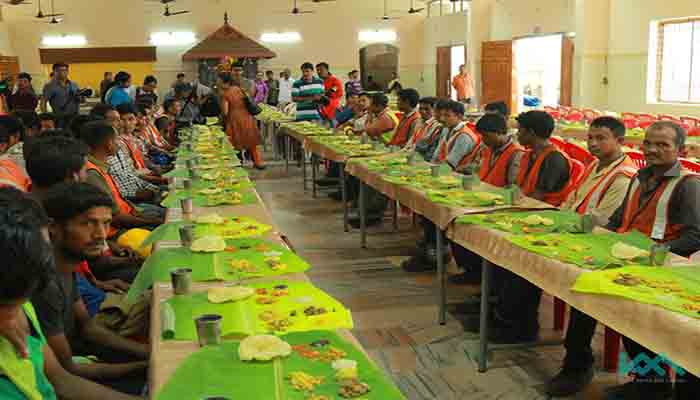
(16, 2)
(414, 10)
(385, 16)
(168, 13)
(297, 11)
(40, 14)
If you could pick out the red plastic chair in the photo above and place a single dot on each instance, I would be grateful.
(579, 153)
(638, 158)
(647, 117)
(574, 116)
(630, 123)
(694, 132)
(549, 109)
(590, 114)
(690, 165)
(692, 122)
(629, 115)
(645, 123)
(668, 117)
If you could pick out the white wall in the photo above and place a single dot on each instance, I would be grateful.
(629, 45)
(446, 30)
(6, 48)
(328, 35)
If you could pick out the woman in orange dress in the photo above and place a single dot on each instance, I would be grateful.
(240, 124)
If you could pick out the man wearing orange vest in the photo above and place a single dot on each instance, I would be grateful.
(433, 130)
(662, 203)
(426, 110)
(101, 137)
(137, 148)
(458, 147)
(410, 123)
(600, 193)
(544, 174)
(11, 174)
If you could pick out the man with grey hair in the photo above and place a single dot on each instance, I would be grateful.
(662, 185)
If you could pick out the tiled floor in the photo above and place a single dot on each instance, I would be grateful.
(395, 312)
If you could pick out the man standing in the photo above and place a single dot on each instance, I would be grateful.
(286, 84)
(146, 94)
(353, 86)
(394, 86)
(80, 217)
(61, 93)
(333, 92)
(24, 99)
(463, 85)
(273, 87)
(307, 92)
(106, 83)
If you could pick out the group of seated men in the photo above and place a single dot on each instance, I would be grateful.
(612, 190)
(74, 204)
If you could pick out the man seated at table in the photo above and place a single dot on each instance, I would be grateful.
(101, 138)
(381, 121)
(662, 185)
(544, 174)
(80, 216)
(28, 366)
(410, 123)
(500, 164)
(430, 139)
(459, 148)
(12, 171)
(428, 122)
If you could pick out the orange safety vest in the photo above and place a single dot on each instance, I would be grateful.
(652, 218)
(498, 174)
(124, 206)
(447, 145)
(154, 135)
(136, 155)
(528, 177)
(592, 200)
(430, 125)
(401, 135)
(12, 175)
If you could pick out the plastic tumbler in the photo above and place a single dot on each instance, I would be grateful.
(182, 280)
(411, 158)
(187, 205)
(187, 184)
(208, 329)
(186, 235)
(658, 254)
(435, 171)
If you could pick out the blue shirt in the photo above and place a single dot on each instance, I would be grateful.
(62, 98)
(117, 96)
(344, 115)
(92, 296)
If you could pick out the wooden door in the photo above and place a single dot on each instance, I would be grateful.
(497, 72)
(9, 67)
(443, 71)
(567, 72)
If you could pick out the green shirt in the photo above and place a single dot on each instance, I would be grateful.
(35, 344)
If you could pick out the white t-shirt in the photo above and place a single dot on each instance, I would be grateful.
(285, 95)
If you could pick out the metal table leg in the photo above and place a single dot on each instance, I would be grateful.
(287, 151)
(344, 197)
(441, 276)
(314, 164)
(265, 134)
(363, 214)
(484, 317)
(302, 157)
(395, 216)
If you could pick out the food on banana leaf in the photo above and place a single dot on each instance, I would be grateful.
(211, 176)
(210, 191)
(208, 244)
(486, 196)
(536, 219)
(623, 251)
(225, 294)
(214, 219)
(263, 348)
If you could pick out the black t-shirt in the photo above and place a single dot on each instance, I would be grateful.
(554, 173)
(54, 305)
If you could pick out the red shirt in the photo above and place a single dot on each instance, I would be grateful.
(335, 96)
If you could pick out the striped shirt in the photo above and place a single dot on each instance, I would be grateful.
(307, 110)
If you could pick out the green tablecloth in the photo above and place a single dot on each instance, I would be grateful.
(216, 266)
(241, 318)
(217, 371)
(674, 288)
(234, 228)
(590, 251)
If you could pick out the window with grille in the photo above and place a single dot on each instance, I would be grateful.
(678, 61)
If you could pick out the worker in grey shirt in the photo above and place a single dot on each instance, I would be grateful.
(61, 93)
(460, 146)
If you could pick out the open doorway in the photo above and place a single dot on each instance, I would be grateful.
(538, 79)
(380, 62)
(449, 58)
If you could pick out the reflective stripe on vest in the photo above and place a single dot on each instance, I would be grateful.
(11, 183)
(123, 205)
(593, 198)
(135, 154)
(447, 146)
(498, 174)
(425, 129)
(401, 135)
(13, 175)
